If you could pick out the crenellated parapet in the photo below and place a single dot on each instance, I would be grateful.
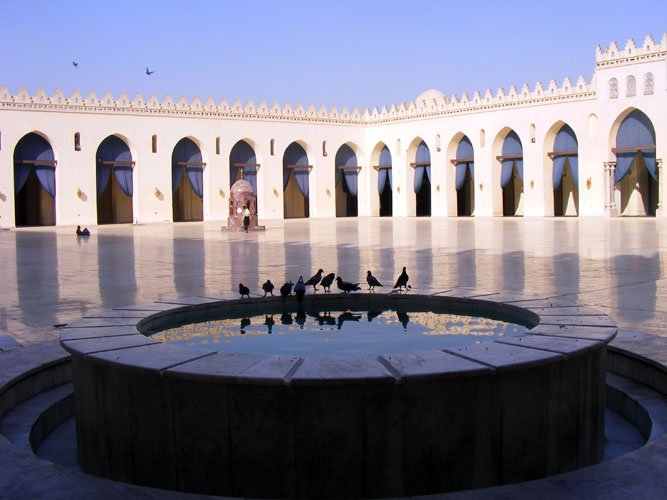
(631, 53)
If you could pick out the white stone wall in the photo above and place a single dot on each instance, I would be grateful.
(534, 114)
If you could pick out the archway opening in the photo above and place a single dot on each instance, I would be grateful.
(347, 171)
(187, 182)
(385, 183)
(565, 173)
(114, 181)
(465, 178)
(511, 175)
(296, 176)
(422, 180)
(243, 165)
(636, 174)
(34, 182)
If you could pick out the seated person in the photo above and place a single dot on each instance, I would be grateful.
(80, 232)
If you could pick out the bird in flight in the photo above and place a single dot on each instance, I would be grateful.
(148, 72)
(75, 64)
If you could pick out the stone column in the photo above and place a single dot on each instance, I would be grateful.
(610, 201)
(659, 211)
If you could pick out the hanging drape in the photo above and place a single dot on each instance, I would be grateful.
(296, 155)
(345, 157)
(113, 149)
(242, 153)
(511, 147)
(187, 156)
(464, 151)
(176, 176)
(196, 178)
(422, 157)
(635, 131)
(565, 141)
(34, 148)
(385, 159)
(351, 179)
(391, 179)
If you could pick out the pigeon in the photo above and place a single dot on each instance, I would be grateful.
(244, 290)
(75, 64)
(315, 279)
(326, 282)
(268, 287)
(347, 287)
(286, 319)
(269, 321)
(372, 281)
(300, 318)
(286, 289)
(300, 288)
(149, 73)
(244, 323)
(404, 318)
(402, 281)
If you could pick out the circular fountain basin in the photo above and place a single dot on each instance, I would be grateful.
(370, 425)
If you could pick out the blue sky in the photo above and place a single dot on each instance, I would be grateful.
(343, 53)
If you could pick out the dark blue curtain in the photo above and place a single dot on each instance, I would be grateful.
(565, 141)
(345, 157)
(385, 159)
(33, 147)
(242, 152)
(423, 155)
(511, 147)
(186, 151)
(296, 155)
(464, 150)
(635, 131)
(114, 149)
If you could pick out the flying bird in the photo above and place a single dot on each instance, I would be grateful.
(286, 289)
(327, 281)
(372, 281)
(315, 279)
(244, 290)
(402, 281)
(347, 287)
(75, 64)
(268, 287)
(300, 288)
(149, 73)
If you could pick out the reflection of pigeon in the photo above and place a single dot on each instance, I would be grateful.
(315, 279)
(327, 280)
(149, 73)
(244, 290)
(286, 289)
(324, 318)
(300, 318)
(372, 281)
(244, 322)
(300, 288)
(347, 287)
(286, 319)
(403, 318)
(402, 281)
(347, 316)
(269, 321)
(371, 315)
(75, 64)
(268, 287)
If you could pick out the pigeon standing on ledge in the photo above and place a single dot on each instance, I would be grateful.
(402, 281)
(268, 287)
(347, 287)
(326, 282)
(315, 279)
(372, 281)
(300, 288)
(286, 289)
(244, 290)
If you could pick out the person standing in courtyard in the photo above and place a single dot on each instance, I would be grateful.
(246, 217)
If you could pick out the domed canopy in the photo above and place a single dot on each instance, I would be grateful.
(241, 186)
(430, 94)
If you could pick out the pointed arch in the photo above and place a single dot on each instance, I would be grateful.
(296, 181)
(34, 181)
(347, 168)
(114, 181)
(187, 181)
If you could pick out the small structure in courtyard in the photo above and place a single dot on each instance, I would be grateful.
(241, 196)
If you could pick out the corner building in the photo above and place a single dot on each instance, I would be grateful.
(578, 148)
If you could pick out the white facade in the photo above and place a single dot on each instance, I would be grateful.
(535, 115)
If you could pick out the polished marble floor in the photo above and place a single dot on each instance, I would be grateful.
(49, 277)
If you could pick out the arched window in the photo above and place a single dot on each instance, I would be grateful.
(217, 145)
(324, 148)
(482, 138)
(77, 141)
(272, 146)
(648, 84)
(613, 88)
(631, 86)
(154, 144)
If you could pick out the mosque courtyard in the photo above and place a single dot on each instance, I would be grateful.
(51, 277)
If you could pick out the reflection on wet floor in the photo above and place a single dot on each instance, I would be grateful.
(50, 277)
